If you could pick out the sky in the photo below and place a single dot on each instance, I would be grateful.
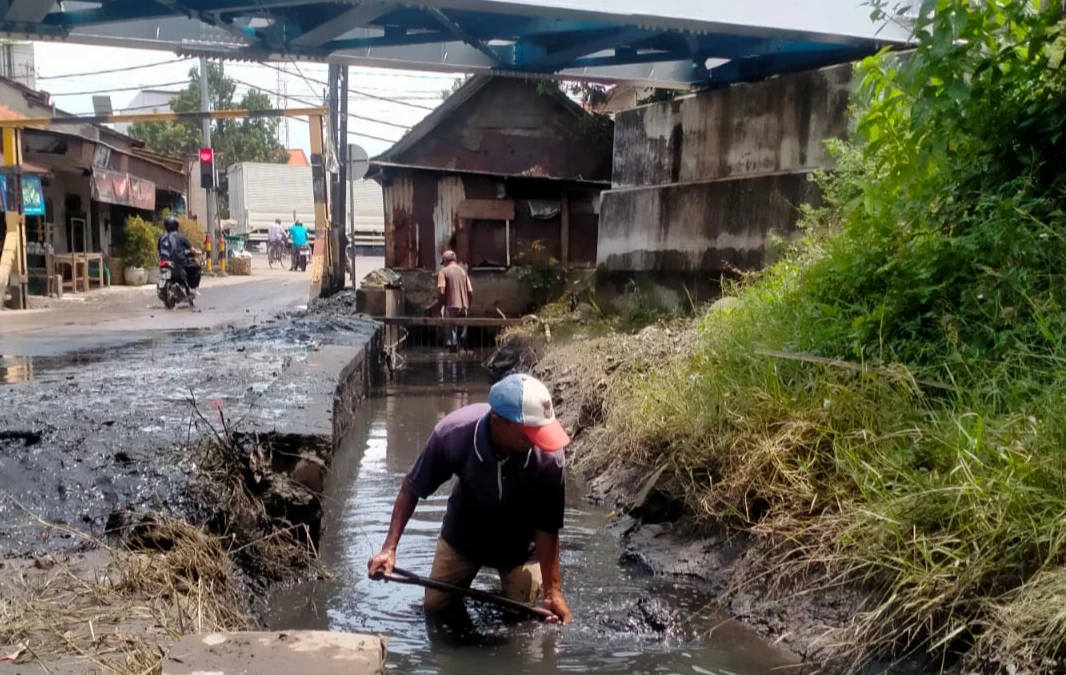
(65, 71)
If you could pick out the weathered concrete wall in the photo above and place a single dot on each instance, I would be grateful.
(699, 227)
(701, 182)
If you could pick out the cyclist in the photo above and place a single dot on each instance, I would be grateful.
(276, 240)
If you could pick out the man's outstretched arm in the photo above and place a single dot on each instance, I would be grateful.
(402, 511)
(547, 546)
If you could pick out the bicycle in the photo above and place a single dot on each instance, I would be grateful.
(278, 253)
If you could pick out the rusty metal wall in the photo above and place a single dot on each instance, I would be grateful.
(401, 235)
(422, 217)
(446, 220)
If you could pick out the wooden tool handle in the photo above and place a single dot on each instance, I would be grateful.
(401, 576)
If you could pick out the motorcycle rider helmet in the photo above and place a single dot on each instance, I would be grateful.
(170, 224)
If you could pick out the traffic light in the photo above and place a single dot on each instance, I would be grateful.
(207, 168)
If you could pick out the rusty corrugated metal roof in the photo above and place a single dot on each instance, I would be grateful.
(404, 153)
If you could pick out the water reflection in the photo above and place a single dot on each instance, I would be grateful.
(365, 479)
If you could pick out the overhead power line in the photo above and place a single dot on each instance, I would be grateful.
(110, 70)
(112, 91)
(308, 103)
(356, 134)
(123, 111)
(354, 91)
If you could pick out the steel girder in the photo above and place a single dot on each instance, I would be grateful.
(668, 43)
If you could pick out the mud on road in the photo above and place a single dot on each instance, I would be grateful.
(109, 431)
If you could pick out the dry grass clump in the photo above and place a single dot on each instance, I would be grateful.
(239, 480)
(118, 610)
(1030, 624)
(587, 374)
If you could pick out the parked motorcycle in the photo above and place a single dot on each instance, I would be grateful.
(169, 288)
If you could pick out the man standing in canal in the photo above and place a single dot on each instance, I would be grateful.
(455, 291)
(506, 508)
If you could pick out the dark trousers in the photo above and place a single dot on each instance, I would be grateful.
(193, 272)
(188, 273)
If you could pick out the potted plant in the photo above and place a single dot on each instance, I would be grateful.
(139, 250)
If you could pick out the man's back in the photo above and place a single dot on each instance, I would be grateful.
(455, 285)
(173, 246)
(298, 234)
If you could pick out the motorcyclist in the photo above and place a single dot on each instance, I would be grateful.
(176, 248)
(298, 236)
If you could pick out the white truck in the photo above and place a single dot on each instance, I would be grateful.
(260, 193)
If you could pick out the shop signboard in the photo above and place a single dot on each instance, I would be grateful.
(32, 195)
(112, 187)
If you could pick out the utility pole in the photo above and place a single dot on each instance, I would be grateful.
(205, 106)
(351, 206)
(342, 179)
(338, 114)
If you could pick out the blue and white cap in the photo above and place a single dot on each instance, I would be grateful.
(525, 400)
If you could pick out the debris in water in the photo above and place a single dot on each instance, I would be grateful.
(646, 617)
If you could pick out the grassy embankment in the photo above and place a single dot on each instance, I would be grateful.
(932, 470)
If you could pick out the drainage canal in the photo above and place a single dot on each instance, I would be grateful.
(624, 621)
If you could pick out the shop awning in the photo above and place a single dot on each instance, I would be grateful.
(123, 189)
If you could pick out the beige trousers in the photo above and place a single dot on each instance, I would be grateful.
(521, 583)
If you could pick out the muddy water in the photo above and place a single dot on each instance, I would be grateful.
(604, 638)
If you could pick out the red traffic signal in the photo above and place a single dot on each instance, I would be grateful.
(207, 168)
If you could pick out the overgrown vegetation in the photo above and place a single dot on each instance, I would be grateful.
(540, 271)
(885, 405)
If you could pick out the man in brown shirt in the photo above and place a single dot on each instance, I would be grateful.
(455, 291)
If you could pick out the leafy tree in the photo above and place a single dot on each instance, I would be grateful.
(247, 140)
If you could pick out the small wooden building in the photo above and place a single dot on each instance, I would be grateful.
(503, 166)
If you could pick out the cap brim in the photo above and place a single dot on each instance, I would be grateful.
(550, 438)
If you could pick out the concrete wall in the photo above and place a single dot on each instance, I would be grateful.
(699, 227)
(701, 182)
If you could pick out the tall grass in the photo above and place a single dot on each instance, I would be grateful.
(932, 469)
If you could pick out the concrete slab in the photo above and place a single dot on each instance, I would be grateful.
(282, 653)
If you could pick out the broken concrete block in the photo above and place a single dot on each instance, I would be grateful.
(278, 653)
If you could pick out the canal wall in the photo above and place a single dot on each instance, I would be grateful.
(187, 458)
(702, 184)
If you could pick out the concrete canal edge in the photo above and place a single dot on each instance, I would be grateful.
(334, 381)
(277, 653)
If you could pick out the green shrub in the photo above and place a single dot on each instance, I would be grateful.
(931, 467)
(542, 272)
(140, 243)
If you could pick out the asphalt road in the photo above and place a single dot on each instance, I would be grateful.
(121, 314)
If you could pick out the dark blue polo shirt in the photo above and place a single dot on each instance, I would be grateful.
(497, 502)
